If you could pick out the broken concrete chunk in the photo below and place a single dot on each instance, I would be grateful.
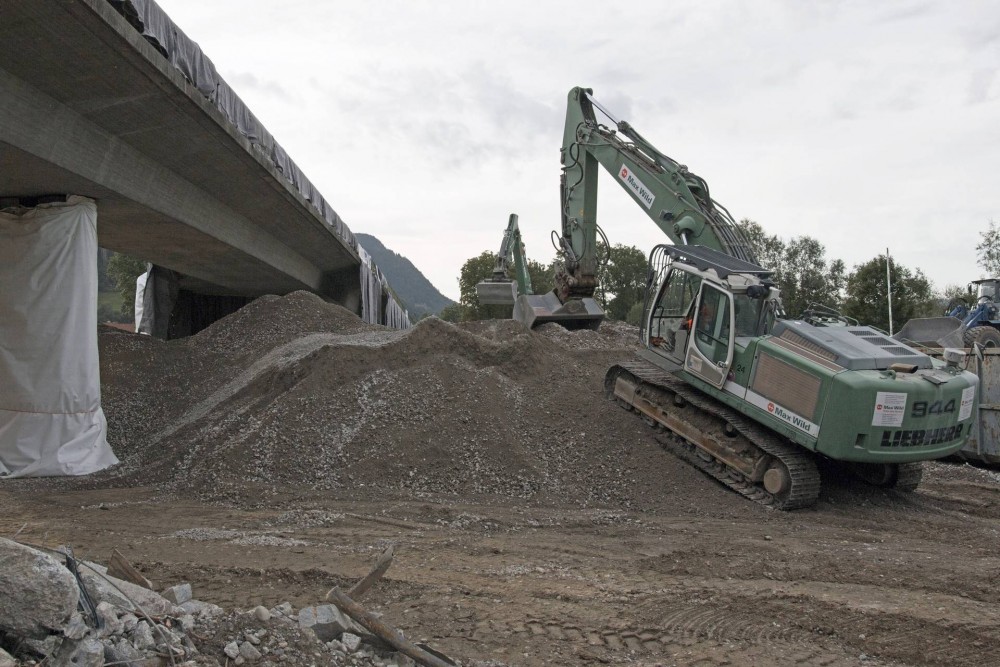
(202, 609)
(76, 628)
(109, 619)
(39, 593)
(351, 642)
(95, 566)
(6, 659)
(326, 621)
(114, 592)
(249, 652)
(88, 652)
(125, 650)
(142, 636)
(178, 594)
(232, 650)
(187, 622)
(128, 622)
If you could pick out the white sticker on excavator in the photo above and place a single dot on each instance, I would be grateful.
(784, 414)
(890, 408)
(968, 398)
(637, 186)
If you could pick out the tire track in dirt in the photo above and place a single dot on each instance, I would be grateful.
(684, 625)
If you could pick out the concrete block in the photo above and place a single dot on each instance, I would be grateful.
(232, 650)
(109, 619)
(142, 636)
(202, 609)
(325, 620)
(178, 594)
(249, 652)
(87, 652)
(351, 642)
(39, 593)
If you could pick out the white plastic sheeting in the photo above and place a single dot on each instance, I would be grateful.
(378, 305)
(51, 422)
(140, 293)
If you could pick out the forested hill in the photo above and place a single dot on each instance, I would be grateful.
(417, 293)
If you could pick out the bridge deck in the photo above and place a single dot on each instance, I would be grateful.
(88, 106)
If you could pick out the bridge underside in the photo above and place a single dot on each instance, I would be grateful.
(89, 107)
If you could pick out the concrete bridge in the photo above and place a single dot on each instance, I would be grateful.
(108, 99)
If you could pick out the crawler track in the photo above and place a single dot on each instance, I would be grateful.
(908, 476)
(691, 415)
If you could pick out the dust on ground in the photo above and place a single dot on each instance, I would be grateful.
(275, 454)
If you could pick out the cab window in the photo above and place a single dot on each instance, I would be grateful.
(713, 325)
(674, 308)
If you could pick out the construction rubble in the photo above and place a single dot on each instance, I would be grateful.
(64, 612)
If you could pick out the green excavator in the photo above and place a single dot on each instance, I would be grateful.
(500, 288)
(749, 397)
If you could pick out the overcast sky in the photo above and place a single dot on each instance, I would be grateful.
(862, 124)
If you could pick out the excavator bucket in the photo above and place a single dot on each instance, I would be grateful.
(932, 332)
(497, 292)
(535, 309)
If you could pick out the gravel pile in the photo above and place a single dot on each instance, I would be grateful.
(294, 393)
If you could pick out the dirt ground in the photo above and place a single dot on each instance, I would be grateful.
(535, 523)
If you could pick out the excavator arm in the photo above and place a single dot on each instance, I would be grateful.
(675, 199)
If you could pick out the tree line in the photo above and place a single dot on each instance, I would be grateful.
(802, 271)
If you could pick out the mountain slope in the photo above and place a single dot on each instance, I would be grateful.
(419, 296)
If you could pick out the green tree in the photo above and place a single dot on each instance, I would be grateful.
(801, 270)
(988, 250)
(123, 270)
(769, 248)
(104, 283)
(951, 295)
(806, 277)
(452, 313)
(622, 281)
(867, 300)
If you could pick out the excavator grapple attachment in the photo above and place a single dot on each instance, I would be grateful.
(535, 309)
(497, 292)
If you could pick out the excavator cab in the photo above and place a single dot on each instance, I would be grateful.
(703, 302)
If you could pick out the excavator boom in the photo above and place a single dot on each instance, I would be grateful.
(676, 200)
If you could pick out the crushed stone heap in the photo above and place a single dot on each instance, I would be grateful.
(295, 393)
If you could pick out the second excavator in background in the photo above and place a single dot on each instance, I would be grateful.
(500, 288)
(747, 396)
